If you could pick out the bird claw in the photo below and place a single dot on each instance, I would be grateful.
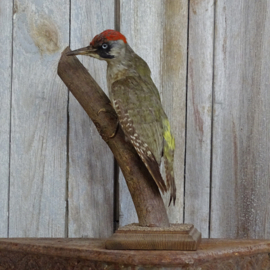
(114, 133)
(104, 110)
(101, 110)
(106, 138)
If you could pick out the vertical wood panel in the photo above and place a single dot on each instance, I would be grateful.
(91, 176)
(241, 145)
(199, 113)
(38, 131)
(141, 23)
(149, 27)
(5, 92)
(173, 75)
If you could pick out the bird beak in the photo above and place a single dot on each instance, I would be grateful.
(89, 50)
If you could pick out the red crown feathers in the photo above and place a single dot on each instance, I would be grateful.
(107, 35)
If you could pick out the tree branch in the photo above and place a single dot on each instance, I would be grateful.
(144, 192)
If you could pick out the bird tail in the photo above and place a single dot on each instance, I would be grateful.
(168, 154)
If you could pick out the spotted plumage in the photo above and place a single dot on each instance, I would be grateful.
(137, 103)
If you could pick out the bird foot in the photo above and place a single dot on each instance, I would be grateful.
(115, 131)
(106, 138)
(101, 110)
(104, 110)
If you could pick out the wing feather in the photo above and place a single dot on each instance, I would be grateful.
(133, 101)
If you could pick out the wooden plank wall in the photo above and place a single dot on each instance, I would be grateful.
(210, 61)
(199, 114)
(90, 174)
(241, 127)
(38, 120)
(5, 95)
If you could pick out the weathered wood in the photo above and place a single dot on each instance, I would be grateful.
(241, 145)
(199, 113)
(91, 175)
(145, 194)
(176, 237)
(173, 84)
(142, 23)
(213, 254)
(127, 211)
(38, 130)
(5, 94)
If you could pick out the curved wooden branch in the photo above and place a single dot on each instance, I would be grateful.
(144, 192)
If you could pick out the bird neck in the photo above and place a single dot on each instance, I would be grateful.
(121, 66)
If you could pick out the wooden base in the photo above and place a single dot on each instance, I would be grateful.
(176, 237)
(78, 254)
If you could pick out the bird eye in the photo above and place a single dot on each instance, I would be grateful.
(104, 46)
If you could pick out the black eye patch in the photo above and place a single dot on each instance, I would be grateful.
(104, 51)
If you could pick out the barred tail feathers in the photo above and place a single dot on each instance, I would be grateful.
(168, 154)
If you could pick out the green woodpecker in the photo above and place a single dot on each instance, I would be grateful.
(137, 103)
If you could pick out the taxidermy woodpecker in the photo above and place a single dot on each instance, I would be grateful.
(137, 103)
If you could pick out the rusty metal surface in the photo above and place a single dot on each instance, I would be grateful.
(90, 254)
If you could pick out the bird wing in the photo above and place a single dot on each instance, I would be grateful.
(143, 69)
(168, 154)
(138, 109)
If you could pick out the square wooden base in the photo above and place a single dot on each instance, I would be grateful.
(176, 237)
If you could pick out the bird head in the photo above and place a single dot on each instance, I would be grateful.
(105, 46)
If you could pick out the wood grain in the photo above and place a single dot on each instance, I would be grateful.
(149, 30)
(5, 95)
(241, 145)
(181, 237)
(199, 114)
(217, 254)
(91, 170)
(38, 130)
(173, 76)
